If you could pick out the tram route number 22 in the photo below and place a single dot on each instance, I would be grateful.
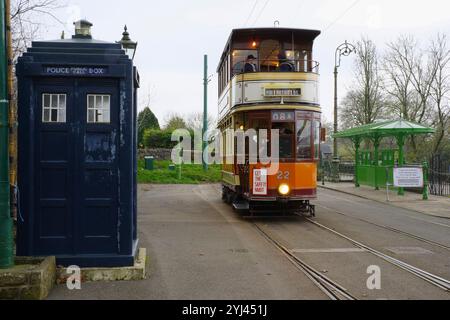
(283, 175)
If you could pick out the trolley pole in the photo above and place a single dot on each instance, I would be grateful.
(205, 114)
(6, 223)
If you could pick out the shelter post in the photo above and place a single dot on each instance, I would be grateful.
(401, 157)
(357, 142)
(376, 144)
(425, 180)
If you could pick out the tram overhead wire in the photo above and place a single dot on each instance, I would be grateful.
(251, 12)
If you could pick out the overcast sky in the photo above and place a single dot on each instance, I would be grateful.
(174, 35)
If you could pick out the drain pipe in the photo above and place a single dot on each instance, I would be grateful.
(6, 222)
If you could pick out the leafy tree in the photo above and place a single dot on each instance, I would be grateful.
(174, 122)
(146, 120)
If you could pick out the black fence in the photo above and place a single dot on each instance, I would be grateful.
(439, 176)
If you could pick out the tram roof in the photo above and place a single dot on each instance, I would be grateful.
(306, 34)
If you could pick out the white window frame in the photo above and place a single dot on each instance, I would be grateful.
(61, 117)
(99, 112)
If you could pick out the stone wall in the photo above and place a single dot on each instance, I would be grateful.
(29, 279)
(158, 154)
(162, 154)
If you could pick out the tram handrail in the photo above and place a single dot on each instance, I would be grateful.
(274, 65)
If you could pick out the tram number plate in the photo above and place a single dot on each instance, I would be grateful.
(283, 116)
(260, 182)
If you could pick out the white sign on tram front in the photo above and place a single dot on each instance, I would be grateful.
(408, 177)
(260, 182)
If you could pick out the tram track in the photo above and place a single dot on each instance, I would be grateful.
(332, 289)
(413, 236)
(433, 279)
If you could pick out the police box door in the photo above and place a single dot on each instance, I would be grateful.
(77, 184)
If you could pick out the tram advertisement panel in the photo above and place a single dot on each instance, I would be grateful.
(260, 182)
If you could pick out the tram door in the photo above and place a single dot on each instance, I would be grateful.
(76, 179)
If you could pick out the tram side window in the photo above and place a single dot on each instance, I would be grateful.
(239, 59)
(286, 131)
(304, 151)
(317, 127)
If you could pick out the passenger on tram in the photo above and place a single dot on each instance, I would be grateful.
(250, 65)
(285, 64)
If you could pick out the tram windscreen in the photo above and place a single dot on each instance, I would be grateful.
(304, 149)
(286, 132)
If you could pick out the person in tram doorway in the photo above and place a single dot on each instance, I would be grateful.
(250, 65)
(285, 64)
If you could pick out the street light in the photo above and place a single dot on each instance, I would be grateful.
(345, 50)
(128, 45)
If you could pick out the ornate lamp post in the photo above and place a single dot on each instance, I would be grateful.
(345, 50)
(128, 45)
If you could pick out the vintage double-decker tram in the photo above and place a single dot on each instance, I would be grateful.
(269, 80)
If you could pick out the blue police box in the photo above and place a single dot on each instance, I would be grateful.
(77, 152)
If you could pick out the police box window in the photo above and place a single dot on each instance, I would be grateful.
(98, 110)
(54, 108)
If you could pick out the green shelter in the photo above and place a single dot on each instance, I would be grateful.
(375, 168)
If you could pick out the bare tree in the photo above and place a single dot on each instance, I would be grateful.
(398, 80)
(26, 21)
(410, 73)
(440, 89)
(194, 121)
(364, 104)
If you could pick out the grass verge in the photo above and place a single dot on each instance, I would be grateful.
(190, 174)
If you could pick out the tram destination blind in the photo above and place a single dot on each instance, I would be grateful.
(283, 92)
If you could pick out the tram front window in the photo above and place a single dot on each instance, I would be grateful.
(286, 131)
(304, 148)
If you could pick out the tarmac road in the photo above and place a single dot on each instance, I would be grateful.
(200, 249)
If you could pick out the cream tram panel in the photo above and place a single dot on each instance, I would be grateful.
(254, 92)
(251, 92)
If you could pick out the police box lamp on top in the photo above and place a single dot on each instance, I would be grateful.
(82, 29)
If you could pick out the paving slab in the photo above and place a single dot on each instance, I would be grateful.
(435, 206)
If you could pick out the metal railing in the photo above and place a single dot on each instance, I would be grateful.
(439, 176)
(267, 65)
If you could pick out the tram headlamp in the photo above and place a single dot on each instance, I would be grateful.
(284, 189)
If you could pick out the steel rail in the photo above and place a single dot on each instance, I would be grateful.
(433, 279)
(442, 246)
(332, 289)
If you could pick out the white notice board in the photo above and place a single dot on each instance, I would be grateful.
(260, 182)
(411, 177)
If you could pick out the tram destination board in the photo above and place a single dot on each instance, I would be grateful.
(283, 92)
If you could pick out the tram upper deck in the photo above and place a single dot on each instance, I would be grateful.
(268, 66)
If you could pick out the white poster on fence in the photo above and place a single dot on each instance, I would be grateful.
(408, 177)
(260, 182)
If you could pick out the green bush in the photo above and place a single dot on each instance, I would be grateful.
(154, 138)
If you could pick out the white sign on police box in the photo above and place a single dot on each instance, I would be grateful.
(408, 177)
(260, 182)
